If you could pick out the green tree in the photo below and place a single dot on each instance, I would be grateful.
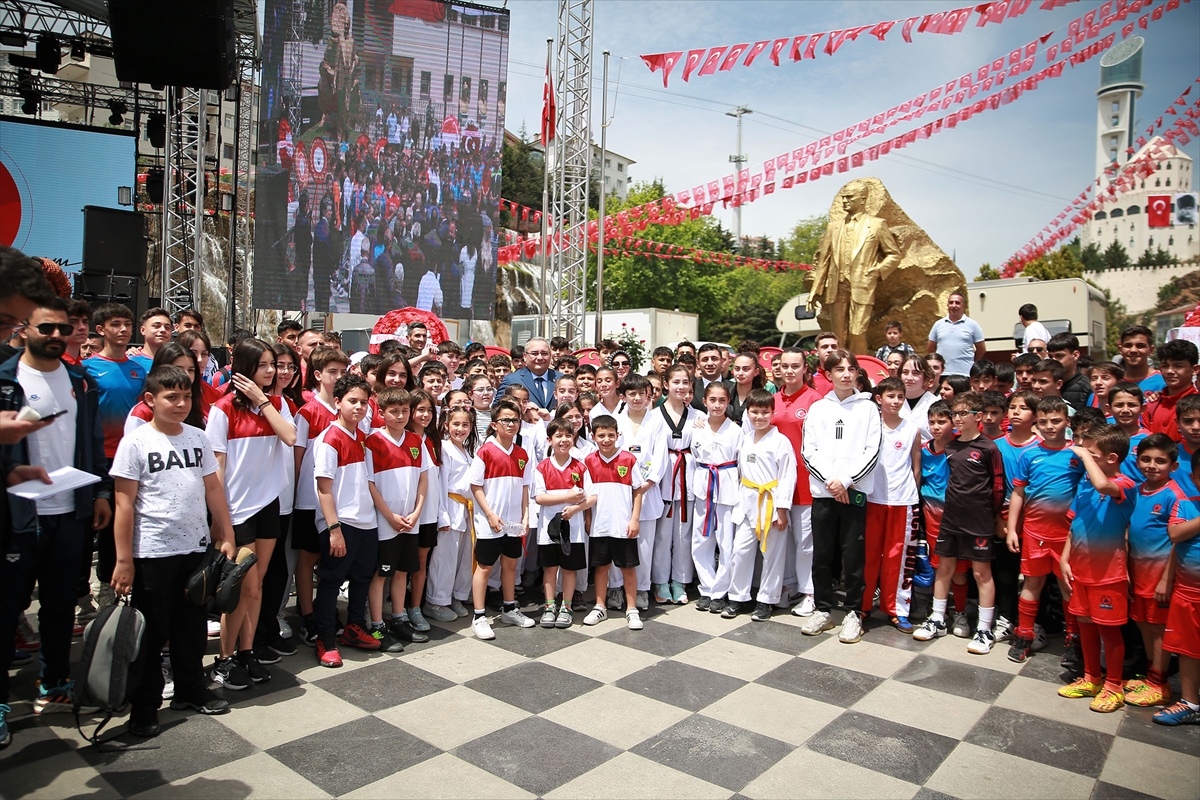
(1115, 256)
(522, 181)
(1093, 260)
(1062, 263)
(1156, 258)
(800, 245)
(988, 273)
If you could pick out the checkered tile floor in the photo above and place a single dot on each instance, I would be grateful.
(693, 706)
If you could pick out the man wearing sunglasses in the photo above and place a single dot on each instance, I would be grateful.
(46, 545)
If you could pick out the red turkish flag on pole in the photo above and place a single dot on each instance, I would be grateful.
(549, 110)
(1158, 210)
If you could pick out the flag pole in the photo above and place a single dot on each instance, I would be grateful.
(603, 195)
(544, 327)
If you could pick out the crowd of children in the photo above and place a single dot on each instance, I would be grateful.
(400, 481)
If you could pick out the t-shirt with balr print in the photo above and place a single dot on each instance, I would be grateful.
(168, 515)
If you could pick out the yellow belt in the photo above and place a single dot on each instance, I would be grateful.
(470, 504)
(762, 525)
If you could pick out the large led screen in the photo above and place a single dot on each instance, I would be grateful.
(48, 173)
(382, 124)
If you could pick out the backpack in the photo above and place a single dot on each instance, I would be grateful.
(110, 647)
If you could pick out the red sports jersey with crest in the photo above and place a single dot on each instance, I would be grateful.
(395, 468)
(612, 481)
(505, 476)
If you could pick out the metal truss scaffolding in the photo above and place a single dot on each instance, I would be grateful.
(38, 17)
(570, 170)
(240, 235)
(183, 198)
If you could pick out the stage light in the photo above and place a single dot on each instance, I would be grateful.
(156, 130)
(48, 54)
(226, 202)
(118, 109)
(32, 101)
(124, 195)
(13, 39)
(78, 50)
(154, 184)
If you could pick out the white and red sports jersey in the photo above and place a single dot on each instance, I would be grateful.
(550, 477)
(505, 476)
(341, 455)
(612, 482)
(287, 498)
(432, 509)
(255, 469)
(452, 479)
(395, 468)
(311, 421)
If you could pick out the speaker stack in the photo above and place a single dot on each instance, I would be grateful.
(114, 260)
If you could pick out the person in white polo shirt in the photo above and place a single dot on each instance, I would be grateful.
(957, 338)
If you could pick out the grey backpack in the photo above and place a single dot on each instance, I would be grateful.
(110, 647)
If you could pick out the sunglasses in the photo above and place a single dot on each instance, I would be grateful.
(47, 328)
(621, 363)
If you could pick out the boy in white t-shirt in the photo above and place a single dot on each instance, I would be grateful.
(346, 520)
(165, 474)
(892, 507)
(399, 483)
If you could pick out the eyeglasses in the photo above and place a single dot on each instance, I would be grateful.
(47, 328)
(285, 367)
(963, 413)
(538, 353)
(483, 390)
(508, 421)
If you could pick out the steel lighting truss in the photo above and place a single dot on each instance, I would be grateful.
(183, 198)
(570, 170)
(240, 239)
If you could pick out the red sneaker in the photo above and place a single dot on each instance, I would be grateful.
(355, 636)
(27, 640)
(328, 658)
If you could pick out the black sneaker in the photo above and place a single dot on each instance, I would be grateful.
(732, 609)
(761, 612)
(266, 655)
(1020, 650)
(309, 634)
(207, 703)
(403, 630)
(387, 642)
(703, 603)
(229, 673)
(282, 646)
(144, 725)
(578, 604)
(717, 605)
(253, 667)
(1072, 657)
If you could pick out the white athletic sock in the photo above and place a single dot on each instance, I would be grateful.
(985, 618)
(939, 610)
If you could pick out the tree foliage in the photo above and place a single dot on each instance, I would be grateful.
(1092, 258)
(988, 273)
(1062, 263)
(801, 244)
(1115, 256)
(1158, 258)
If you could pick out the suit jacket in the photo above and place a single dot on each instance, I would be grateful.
(523, 377)
(876, 256)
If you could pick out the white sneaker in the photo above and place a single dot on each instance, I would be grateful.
(633, 619)
(960, 627)
(981, 645)
(483, 629)
(1003, 629)
(616, 599)
(786, 599)
(285, 630)
(806, 608)
(929, 629)
(851, 630)
(817, 624)
(214, 628)
(596, 616)
(515, 617)
(1039, 638)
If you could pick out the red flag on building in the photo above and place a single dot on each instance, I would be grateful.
(549, 110)
(1158, 210)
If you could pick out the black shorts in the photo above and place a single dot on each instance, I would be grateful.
(964, 547)
(488, 550)
(621, 553)
(398, 554)
(304, 530)
(264, 524)
(551, 555)
(427, 535)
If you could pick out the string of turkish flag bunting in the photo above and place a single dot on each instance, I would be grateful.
(705, 61)
(627, 247)
(742, 187)
(1080, 210)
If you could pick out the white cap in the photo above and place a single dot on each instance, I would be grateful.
(357, 357)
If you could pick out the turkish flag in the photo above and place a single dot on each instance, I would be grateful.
(549, 107)
(1158, 210)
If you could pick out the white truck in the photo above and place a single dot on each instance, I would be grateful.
(1069, 305)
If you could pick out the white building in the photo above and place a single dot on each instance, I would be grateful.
(1125, 220)
(616, 177)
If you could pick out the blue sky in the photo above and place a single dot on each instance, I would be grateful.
(981, 191)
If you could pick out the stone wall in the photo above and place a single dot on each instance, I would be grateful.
(1137, 287)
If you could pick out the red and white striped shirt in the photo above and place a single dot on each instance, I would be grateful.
(312, 420)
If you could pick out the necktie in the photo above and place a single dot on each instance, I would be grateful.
(541, 387)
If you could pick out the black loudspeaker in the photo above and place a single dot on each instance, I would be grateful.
(114, 242)
(173, 42)
(271, 285)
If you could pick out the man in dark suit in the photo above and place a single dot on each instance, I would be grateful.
(708, 362)
(536, 376)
